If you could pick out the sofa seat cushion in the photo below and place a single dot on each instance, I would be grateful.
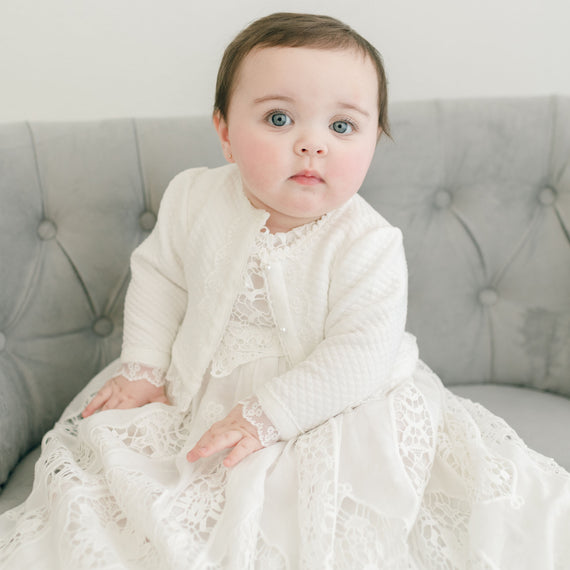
(19, 484)
(541, 419)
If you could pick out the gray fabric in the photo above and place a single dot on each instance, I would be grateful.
(20, 483)
(481, 190)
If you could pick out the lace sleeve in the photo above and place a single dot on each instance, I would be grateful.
(133, 371)
(254, 414)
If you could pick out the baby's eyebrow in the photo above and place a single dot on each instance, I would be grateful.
(354, 107)
(274, 98)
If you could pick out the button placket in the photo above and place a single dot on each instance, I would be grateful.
(278, 299)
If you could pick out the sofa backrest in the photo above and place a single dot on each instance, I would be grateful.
(481, 190)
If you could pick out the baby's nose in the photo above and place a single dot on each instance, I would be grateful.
(310, 148)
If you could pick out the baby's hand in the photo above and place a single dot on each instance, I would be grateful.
(120, 394)
(233, 431)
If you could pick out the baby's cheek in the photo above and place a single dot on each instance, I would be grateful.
(351, 169)
(259, 162)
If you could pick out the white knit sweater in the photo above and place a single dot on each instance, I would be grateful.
(338, 296)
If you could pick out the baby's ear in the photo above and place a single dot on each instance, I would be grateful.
(221, 127)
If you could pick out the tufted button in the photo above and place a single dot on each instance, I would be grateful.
(47, 230)
(2, 341)
(488, 297)
(103, 326)
(547, 196)
(442, 199)
(147, 220)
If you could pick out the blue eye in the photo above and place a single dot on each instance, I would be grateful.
(279, 119)
(342, 127)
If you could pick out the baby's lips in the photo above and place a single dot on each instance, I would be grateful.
(308, 177)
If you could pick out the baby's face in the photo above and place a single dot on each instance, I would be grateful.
(302, 126)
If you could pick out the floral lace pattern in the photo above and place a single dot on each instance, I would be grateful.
(251, 332)
(254, 414)
(191, 514)
(441, 530)
(317, 497)
(134, 371)
(368, 539)
(269, 557)
(416, 434)
(281, 243)
(485, 474)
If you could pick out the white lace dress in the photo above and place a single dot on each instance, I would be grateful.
(416, 479)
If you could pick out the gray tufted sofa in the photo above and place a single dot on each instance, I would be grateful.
(480, 188)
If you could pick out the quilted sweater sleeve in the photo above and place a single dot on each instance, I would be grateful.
(364, 329)
(156, 298)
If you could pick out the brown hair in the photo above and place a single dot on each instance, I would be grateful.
(285, 29)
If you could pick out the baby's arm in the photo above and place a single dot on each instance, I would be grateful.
(156, 298)
(365, 349)
(154, 307)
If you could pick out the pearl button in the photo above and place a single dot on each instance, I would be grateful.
(2, 342)
(283, 329)
(268, 267)
(147, 220)
(488, 297)
(47, 230)
(103, 326)
(547, 196)
(442, 199)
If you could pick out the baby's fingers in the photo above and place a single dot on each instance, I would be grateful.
(244, 448)
(99, 400)
(116, 402)
(210, 444)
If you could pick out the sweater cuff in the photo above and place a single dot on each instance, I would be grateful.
(150, 357)
(277, 413)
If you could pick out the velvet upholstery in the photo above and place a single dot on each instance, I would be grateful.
(480, 188)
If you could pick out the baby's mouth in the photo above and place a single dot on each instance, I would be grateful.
(307, 178)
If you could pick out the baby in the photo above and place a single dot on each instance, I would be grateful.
(265, 332)
(301, 124)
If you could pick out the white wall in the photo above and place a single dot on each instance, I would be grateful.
(81, 59)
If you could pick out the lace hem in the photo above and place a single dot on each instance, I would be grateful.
(134, 371)
(254, 414)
